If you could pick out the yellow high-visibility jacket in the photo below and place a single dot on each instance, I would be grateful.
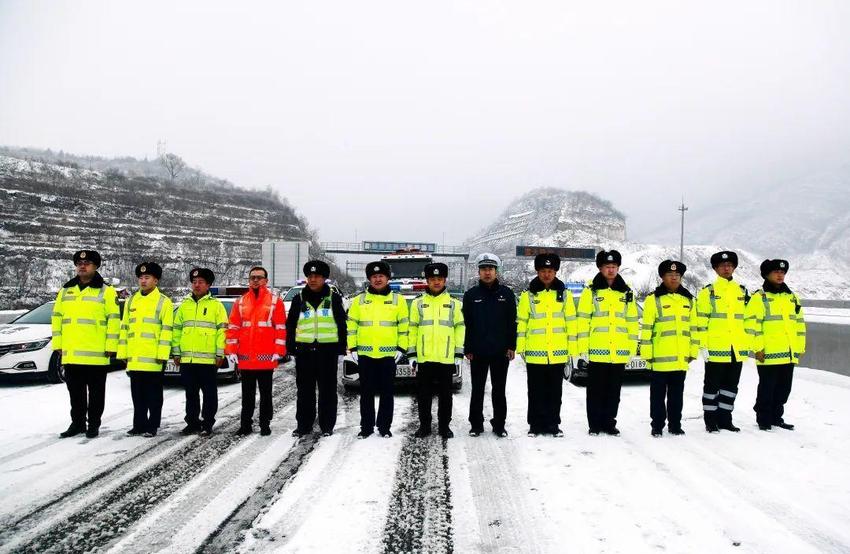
(145, 338)
(437, 329)
(546, 324)
(608, 321)
(774, 321)
(378, 324)
(200, 327)
(720, 320)
(665, 336)
(85, 322)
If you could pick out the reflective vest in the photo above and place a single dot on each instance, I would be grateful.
(378, 324)
(607, 325)
(316, 324)
(720, 320)
(437, 329)
(199, 330)
(775, 324)
(85, 324)
(546, 326)
(665, 337)
(145, 338)
(257, 330)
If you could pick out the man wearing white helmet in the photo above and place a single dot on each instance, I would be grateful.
(489, 309)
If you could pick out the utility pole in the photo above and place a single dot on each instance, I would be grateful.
(682, 209)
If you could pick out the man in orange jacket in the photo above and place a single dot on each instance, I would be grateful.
(256, 341)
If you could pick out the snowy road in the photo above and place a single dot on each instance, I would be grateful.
(754, 491)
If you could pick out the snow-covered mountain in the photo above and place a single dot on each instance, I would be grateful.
(49, 210)
(555, 217)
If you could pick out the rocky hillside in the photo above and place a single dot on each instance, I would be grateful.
(48, 210)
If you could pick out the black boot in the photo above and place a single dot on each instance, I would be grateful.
(72, 430)
(657, 433)
(446, 433)
(676, 431)
(92, 432)
(422, 432)
(783, 425)
(729, 426)
(244, 431)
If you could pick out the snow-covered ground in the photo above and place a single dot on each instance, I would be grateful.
(754, 491)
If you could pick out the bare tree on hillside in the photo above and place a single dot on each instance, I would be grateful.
(173, 164)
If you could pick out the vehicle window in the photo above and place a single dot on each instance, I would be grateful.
(38, 316)
(292, 293)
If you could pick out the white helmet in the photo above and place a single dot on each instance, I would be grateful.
(488, 259)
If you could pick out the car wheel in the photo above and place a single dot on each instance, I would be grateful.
(55, 370)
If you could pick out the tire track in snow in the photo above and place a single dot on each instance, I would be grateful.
(105, 518)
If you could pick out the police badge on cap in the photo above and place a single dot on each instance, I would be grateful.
(204, 273)
(149, 268)
(608, 257)
(381, 267)
(669, 266)
(773, 265)
(317, 267)
(87, 256)
(436, 269)
(724, 256)
(547, 261)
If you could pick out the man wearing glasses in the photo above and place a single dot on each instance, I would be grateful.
(85, 326)
(256, 341)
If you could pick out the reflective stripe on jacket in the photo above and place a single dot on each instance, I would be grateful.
(145, 338)
(257, 330)
(666, 331)
(199, 330)
(546, 326)
(607, 324)
(775, 324)
(720, 320)
(436, 328)
(85, 324)
(378, 324)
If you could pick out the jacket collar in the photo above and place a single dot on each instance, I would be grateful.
(771, 288)
(204, 297)
(662, 290)
(95, 283)
(599, 282)
(536, 285)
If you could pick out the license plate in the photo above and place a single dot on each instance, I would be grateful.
(405, 372)
(171, 368)
(636, 365)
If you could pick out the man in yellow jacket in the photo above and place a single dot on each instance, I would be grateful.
(436, 344)
(145, 342)
(668, 315)
(197, 346)
(85, 326)
(778, 331)
(546, 338)
(377, 339)
(722, 341)
(608, 338)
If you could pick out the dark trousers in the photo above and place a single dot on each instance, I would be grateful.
(773, 391)
(498, 368)
(377, 376)
(87, 388)
(251, 378)
(719, 390)
(197, 379)
(545, 384)
(432, 378)
(604, 382)
(146, 389)
(315, 367)
(669, 386)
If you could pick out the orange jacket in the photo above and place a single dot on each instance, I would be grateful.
(257, 330)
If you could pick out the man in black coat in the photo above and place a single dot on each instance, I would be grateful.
(316, 344)
(489, 310)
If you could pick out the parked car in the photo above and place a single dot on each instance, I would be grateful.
(225, 371)
(25, 346)
(575, 370)
(405, 373)
(292, 292)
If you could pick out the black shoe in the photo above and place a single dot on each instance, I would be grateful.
(134, 432)
(613, 431)
(676, 431)
(364, 434)
(556, 432)
(149, 434)
(92, 432)
(446, 433)
(764, 427)
(71, 431)
(475, 432)
(422, 432)
(729, 427)
(386, 434)
(327, 433)
(500, 432)
(298, 433)
(786, 426)
(265, 430)
(190, 430)
(205, 432)
(657, 433)
(593, 432)
(712, 427)
(244, 431)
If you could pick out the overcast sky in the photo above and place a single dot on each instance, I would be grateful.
(405, 121)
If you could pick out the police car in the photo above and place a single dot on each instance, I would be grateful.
(575, 370)
(225, 371)
(405, 373)
(25, 348)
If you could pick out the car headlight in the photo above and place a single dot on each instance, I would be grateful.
(26, 346)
